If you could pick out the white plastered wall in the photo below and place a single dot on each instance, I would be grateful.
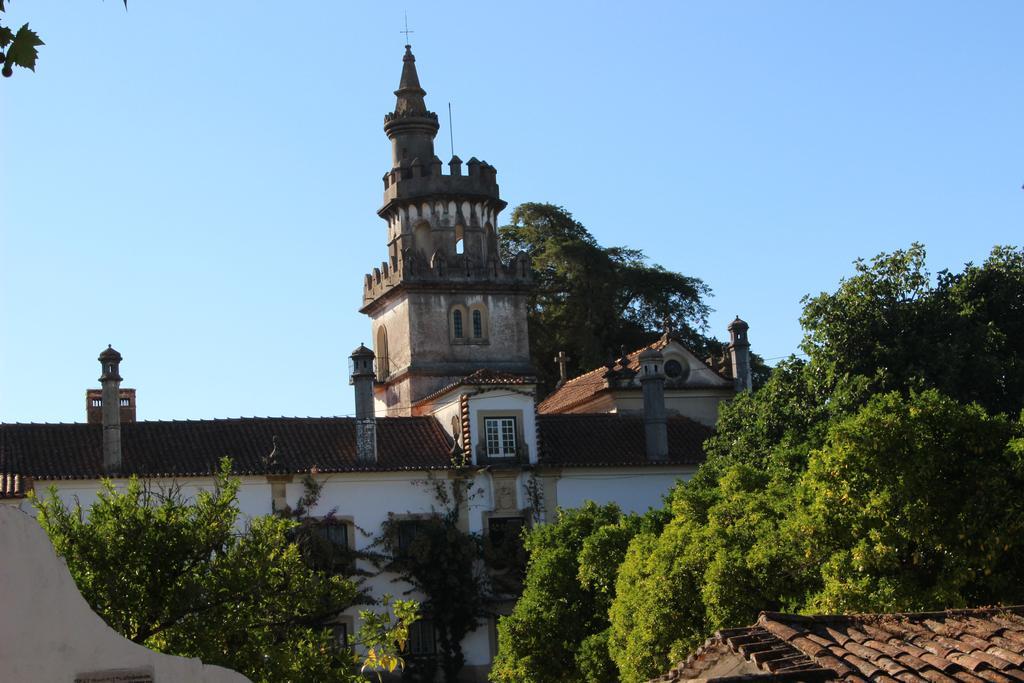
(49, 633)
(633, 490)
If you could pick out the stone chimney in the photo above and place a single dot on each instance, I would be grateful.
(739, 351)
(110, 380)
(652, 380)
(361, 377)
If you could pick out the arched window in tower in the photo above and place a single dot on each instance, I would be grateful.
(383, 366)
(478, 324)
(460, 240)
(457, 331)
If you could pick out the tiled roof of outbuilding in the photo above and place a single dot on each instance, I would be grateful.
(972, 645)
(195, 447)
(610, 439)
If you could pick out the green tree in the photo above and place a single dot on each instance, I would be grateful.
(915, 503)
(860, 479)
(890, 324)
(179, 576)
(559, 628)
(591, 300)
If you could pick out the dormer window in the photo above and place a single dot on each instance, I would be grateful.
(500, 435)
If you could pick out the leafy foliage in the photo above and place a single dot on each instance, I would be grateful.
(963, 335)
(860, 479)
(558, 630)
(913, 503)
(178, 576)
(19, 49)
(881, 474)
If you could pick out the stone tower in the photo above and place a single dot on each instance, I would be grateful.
(443, 304)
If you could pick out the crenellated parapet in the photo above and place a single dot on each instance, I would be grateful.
(412, 269)
(418, 179)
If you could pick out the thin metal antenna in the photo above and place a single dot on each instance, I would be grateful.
(407, 31)
(451, 133)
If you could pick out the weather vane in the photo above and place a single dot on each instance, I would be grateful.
(407, 31)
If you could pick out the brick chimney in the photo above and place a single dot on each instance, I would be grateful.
(94, 405)
(110, 380)
(652, 380)
(739, 351)
(361, 377)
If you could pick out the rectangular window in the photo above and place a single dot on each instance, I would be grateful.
(500, 434)
(408, 531)
(336, 534)
(327, 547)
(341, 635)
(422, 640)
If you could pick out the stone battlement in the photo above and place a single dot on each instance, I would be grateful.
(412, 268)
(415, 179)
(401, 116)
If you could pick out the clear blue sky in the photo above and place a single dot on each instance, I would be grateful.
(197, 185)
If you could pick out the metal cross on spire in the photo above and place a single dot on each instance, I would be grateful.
(407, 31)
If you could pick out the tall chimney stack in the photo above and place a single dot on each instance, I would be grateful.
(652, 380)
(361, 377)
(110, 380)
(739, 350)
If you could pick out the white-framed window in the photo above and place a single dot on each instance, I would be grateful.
(500, 436)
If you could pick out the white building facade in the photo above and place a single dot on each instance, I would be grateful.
(447, 390)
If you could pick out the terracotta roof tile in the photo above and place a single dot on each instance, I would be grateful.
(583, 388)
(195, 447)
(483, 377)
(610, 439)
(958, 645)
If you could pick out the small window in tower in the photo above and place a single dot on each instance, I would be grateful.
(457, 323)
(460, 247)
(478, 325)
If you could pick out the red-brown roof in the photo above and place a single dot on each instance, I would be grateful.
(195, 447)
(483, 377)
(578, 390)
(972, 645)
(611, 439)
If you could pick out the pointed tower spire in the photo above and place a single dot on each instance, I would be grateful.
(411, 128)
(409, 93)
